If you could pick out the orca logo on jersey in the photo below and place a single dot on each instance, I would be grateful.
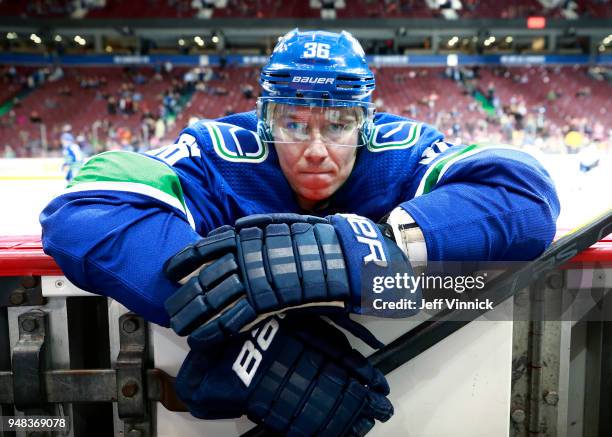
(235, 144)
(248, 360)
(310, 79)
(394, 136)
(366, 233)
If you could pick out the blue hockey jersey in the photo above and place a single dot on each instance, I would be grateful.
(125, 213)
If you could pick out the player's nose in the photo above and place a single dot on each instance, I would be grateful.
(316, 151)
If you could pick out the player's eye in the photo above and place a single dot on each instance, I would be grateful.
(336, 127)
(296, 126)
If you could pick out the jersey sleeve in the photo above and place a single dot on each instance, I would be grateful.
(482, 203)
(117, 223)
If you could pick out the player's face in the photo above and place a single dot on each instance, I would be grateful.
(307, 144)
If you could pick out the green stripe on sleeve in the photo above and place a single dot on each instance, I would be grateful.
(132, 173)
(433, 173)
(133, 168)
(437, 170)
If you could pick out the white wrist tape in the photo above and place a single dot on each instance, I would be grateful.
(408, 237)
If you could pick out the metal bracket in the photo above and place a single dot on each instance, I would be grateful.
(130, 366)
(94, 385)
(28, 361)
(131, 384)
(131, 376)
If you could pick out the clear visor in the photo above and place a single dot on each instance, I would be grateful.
(302, 120)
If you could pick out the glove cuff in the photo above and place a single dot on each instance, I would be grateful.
(370, 258)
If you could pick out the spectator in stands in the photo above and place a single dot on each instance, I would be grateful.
(125, 139)
(190, 78)
(530, 126)
(178, 88)
(137, 98)
(551, 96)
(140, 79)
(412, 110)
(207, 74)
(40, 76)
(35, 117)
(12, 74)
(490, 92)
(168, 102)
(50, 103)
(9, 120)
(247, 90)
(201, 87)
(65, 91)
(160, 128)
(471, 5)
(111, 105)
(85, 145)
(584, 92)
(167, 68)
(57, 74)
(147, 125)
(220, 91)
(598, 132)
(391, 6)
(520, 111)
(431, 103)
(126, 104)
(328, 9)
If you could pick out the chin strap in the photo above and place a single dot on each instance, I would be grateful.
(408, 236)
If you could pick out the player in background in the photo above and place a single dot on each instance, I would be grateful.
(131, 226)
(73, 156)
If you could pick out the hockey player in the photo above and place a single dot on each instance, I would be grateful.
(73, 156)
(316, 147)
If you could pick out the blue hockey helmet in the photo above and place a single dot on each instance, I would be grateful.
(66, 139)
(318, 64)
(316, 69)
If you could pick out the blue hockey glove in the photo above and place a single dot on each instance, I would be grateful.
(297, 376)
(277, 262)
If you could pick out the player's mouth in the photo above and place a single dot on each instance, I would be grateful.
(317, 178)
(316, 172)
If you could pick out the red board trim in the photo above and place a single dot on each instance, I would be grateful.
(22, 255)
